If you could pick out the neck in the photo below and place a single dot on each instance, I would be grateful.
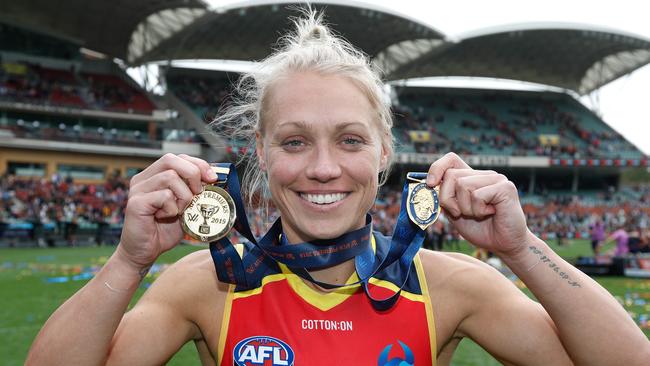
(336, 275)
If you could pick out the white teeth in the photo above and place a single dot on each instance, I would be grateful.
(323, 199)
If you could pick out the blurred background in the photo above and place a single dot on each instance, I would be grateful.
(91, 92)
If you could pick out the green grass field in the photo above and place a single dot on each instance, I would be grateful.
(30, 294)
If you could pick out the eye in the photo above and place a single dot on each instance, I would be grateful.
(293, 144)
(352, 141)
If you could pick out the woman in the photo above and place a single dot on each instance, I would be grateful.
(322, 135)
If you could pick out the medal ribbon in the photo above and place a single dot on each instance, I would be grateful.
(247, 270)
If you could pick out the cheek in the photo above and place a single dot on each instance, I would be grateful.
(364, 169)
(282, 169)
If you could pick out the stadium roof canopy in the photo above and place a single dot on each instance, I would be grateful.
(571, 56)
(153, 30)
(577, 57)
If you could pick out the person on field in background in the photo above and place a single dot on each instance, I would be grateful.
(620, 237)
(596, 233)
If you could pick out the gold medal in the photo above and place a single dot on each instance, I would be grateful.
(210, 215)
(423, 205)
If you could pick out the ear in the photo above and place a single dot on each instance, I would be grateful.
(259, 150)
(385, 155)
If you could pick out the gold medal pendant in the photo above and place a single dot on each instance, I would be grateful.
(423, 205)
(210, 215)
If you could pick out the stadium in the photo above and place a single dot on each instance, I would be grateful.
(76, 126)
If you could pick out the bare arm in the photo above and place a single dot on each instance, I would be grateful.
(485, 306)
(82, 329)
(484, 206)
(185, 303)
(593, 326)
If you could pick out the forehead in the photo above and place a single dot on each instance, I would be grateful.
(316, 99)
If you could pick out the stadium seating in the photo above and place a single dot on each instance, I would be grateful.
(507, 123)
(109, 92)
(29, 83)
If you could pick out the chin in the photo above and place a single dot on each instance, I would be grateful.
(327, 229)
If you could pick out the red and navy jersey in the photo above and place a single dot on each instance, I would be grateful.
(284, 321)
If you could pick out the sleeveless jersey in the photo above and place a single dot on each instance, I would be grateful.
(284, 321)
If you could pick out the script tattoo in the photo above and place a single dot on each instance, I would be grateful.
(546, 260)
(143, 272)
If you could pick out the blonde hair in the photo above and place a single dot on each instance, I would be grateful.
(311, 47)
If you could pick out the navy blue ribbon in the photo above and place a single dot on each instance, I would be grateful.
(247, 271)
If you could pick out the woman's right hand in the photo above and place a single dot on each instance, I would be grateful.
(157, 197)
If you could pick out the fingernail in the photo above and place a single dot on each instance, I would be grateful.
(430, 179)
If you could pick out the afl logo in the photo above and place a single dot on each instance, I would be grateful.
(261, 350)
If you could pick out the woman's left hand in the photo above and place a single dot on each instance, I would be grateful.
(482, 205)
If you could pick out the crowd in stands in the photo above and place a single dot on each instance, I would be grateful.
(562, 218)
(59, 206)
(76, 132)
(203, 94)
(29, 83)
(486, 125)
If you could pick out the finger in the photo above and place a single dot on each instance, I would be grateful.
(467, 202)
(494, 195)
(168, 179)
(438, 168)
(448, 197)
(207, 174)
(185, 169)
(161, 204)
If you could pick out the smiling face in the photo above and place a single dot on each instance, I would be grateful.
(321, 146)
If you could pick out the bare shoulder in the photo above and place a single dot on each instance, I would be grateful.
(188, 284)
(458, 272)
(472, 299)
(459, 285)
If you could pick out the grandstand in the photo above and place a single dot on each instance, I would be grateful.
(85, 113)
(68, 112)
(497, 122)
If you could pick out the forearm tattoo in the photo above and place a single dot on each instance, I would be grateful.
(143, 272)
(546, 260)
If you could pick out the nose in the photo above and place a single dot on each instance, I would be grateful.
(323, 165)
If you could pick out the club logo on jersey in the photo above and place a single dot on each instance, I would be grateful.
(262, 350)
(408, 360)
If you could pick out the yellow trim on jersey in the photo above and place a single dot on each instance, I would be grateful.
(321, 299)
(225, 322)
(427, 305)
(240, 250)
(258, 290)
(391, 286)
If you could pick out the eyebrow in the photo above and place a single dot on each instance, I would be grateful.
(300, 124)
(304, 125)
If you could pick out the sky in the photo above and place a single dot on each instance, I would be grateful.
(623, 103)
